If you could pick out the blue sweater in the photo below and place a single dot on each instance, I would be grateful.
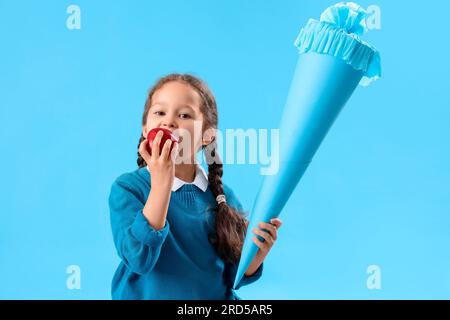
(176, 262)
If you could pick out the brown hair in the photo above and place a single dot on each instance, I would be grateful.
(230, 225)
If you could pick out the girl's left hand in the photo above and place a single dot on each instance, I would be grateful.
(269, 237)
(264, 246)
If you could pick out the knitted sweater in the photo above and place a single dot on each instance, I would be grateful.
(178, 261)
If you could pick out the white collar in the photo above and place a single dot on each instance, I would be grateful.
(200, 180)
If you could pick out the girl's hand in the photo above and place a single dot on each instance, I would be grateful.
(161, 166)
(269, 237)
(264, 247)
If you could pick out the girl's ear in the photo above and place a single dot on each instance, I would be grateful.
(208, 136)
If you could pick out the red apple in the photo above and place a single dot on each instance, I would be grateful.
(167, 134)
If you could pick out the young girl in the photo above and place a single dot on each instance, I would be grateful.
(179, 231)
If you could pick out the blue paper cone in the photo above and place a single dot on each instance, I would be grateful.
(333, 61)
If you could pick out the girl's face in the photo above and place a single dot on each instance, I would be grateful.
(176, 107)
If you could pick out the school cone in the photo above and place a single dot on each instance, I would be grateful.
(333, 60)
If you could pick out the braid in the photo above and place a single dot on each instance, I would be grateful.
(230, 225)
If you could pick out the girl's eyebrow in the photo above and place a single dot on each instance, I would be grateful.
(157, 102)
(162, 103)
(188, 106)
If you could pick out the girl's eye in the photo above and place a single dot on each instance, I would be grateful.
(182, 115)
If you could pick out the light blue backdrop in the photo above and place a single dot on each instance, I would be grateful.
(377, 192)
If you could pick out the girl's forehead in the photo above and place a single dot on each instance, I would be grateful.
(176, 93)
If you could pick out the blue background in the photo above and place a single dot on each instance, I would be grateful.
(376, 193)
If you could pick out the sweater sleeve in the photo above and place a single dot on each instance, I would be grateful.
(137, 243)
(230, 274)
(231, 269)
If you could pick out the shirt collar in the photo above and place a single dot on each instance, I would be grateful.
(200, 180)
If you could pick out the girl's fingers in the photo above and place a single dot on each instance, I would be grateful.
(270, 228)
(263, 246)
(143, 150)
(165, 149)
(267, 236)
(277, 222)
(155, 145)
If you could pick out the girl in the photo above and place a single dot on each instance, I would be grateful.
(179, 231)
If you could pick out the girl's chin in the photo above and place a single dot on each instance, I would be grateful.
(185, 160)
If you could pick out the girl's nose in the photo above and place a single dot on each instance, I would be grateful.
(168, 123)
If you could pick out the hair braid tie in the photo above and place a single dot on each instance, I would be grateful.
(221, 198)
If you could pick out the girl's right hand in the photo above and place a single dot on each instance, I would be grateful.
(161, 166)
